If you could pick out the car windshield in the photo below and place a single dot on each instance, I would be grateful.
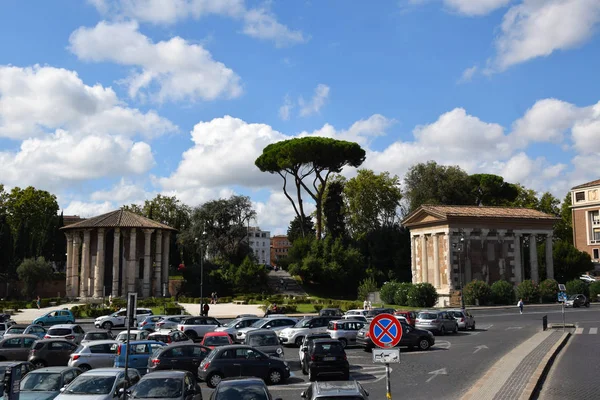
(456, 314)
(330, 348)
(231, 323)
(157, 388)
(96, 336)
(41, 382)
(242, 392)
(263, 340)
(427, 316)
(303, 323)
(16, 331)
(216, 341)
(123, 336)
(259, 323)
(572, 297)
(59, 332)
(91, 384)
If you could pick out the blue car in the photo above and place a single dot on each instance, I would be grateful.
(55, 317)
(149, 323)
(139, 353)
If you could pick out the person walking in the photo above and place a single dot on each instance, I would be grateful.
(205, 309)
(520, 305)
(38, 302)
(365, 304)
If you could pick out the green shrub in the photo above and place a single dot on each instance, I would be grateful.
(503, 293)
(289, 309)
(477, 292)
(317, 307)
(528, 291)
(549, 291)
(401, 295)
(594, 291)
(422, 295)
(98, 312)
(172, 309)
(388, 291)
(76, 310)
(367, 286)
(577, 286)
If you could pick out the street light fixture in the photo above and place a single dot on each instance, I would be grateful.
(460, 247)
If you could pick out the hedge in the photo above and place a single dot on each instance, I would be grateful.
(477, 292)
(528, 291)
(503, 293)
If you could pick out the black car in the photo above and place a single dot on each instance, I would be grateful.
(372, 313)
(179, 385)
(331, 312)
(239, 360)
(238, 388)
(577, 300)
(325, 357)
(265, 340)
(411, 338)
(185, 357)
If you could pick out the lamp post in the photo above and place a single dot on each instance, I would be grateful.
(460, 247)
(202, 268)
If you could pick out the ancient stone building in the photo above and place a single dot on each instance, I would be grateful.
(117, 253)
(453, 245)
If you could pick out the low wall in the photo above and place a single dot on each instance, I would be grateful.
(13, 289)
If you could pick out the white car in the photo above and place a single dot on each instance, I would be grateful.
(355, 312)
(295, 334)
(275, 324)
(587, 278)
(134, 334)
(118, 318)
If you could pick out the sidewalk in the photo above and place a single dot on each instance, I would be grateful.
(27, 315)
(226, 310)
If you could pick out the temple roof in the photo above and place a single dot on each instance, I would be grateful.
(588, 184)
(118, 219)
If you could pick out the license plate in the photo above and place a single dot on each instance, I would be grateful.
(328, 358)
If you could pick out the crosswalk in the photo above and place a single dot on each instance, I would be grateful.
(581, 331)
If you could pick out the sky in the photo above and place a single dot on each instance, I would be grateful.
(110, 102)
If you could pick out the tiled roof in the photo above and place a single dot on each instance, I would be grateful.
(444, 212)
(118, 219)
(589, 184)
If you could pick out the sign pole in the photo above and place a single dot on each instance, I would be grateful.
(131, 316)
(388, 384)
(386, 332)
(563, 313)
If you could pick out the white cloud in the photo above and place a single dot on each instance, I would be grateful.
(123, 192)
(586, 132)
(277, 212)
(286, 108)
(181, 70)
(86, 210)
(38, 99)
(476, 7)
(537, 28)
(316, 103)
(467, 75)
(259, 23)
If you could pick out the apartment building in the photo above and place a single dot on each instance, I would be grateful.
(260, 243)
(585, 209)
(280, 246)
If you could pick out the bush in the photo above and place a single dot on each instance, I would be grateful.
(528, 291)
(549, 291)
(173, 309)
(367, 286)
(317, 307)
(401, 295)
(388, 291)
(477, 292)
(503, 293)
(594, 291)
(76, 310)
(422, 295)
(577, 286)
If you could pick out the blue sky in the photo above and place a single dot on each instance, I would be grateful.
(109, 102)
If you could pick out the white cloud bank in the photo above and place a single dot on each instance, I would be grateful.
(316, 103)
(476, 7)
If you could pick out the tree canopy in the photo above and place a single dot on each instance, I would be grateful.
(295, 229)
(492, 190)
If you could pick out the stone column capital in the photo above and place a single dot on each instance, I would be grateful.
(117, 231)
(148, 232)
(501, 232)
(69, 236)
(100, 231)
(484, 231)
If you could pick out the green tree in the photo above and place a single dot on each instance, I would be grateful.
(549, 290)
(569, 263)
(248, 277)
(430, 183)
(33, 271)
(6, 248)
(526, 198)
(387, 251)
(594, 291)
(528, 291)
(477, 292)
(422, 295)
(309, 158)
(60, 242)
(577, 286)
(333, 207)
(563, 230)
(134, 208)
(373, 201)
(295, 230)
(388, 292)
(368, 285)
(549, 204)
(491, 190)
(503, 293)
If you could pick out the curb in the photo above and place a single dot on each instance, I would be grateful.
(534, 385)
(561, 325)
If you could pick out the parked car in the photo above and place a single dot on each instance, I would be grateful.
(99, 384)
(410, 316)
(240, 360)
(575, 300)
(4, 326)
(51, 352)
(55, 317)
(149, 323)
(334, 390)
(331, 312)
(185, 357)
(133, 335)
(587, 278)
(139, 354)
(169, 337)
(372, 313)
(436, 321)
(307, 339)
(266, 341)
(216, 339)
(326, 358)
(356, 312)
(118, 318)
(345, 331)
(180, 385)
(92, 336)
(197, 327)
(253, 388)
(45, 383)
(274, 323)
(16, 347)
(170, 322)
(464, 318)
(295, 334)
(96, 354)
(232, 327)
(25, 366)
(6, 318)
(411, 338)
(360, 318)
(70, 332)
(35, 330)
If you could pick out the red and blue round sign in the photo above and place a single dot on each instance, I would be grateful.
(385, 331)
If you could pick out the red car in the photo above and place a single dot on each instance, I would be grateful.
(410, 316)
(216, 339)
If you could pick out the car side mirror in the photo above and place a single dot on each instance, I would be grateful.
(62, 389)
(303, 395)
(268, 326)
(238, 326)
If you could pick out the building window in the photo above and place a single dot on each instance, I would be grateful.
(596, 235)
(596, 255)
(579, 196)
(595, 217)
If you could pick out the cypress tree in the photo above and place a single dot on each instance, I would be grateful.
(6, 247)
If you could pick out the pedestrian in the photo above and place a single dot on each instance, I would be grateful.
(369, 306)
(216, 298)
(205, 309)
(520, 305)
(38, 302)
(110, 300)
(365, 304)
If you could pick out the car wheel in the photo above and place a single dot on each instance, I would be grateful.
(213, 380)
(84, 367)
(424, 344)
(298, 341)
(192, 335)
(587, 305)
(275, 376)
(473, 326)
(311, 376)
(344, 343)
(39, 364)
(442, 330)
(70, 322)
(455, 331)
(107, 325)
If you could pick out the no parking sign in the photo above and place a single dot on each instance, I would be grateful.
(385, 331)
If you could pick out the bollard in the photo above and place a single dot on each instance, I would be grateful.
(545, 322)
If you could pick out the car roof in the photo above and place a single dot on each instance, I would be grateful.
(52, 369)
(241, 381)
(171, 373)
(97, 331)
(321, 335)
(19, 326)
(54, 340)
(260, 331)
(105, 371)
(134, 342)
(316, 341)
(95, 342)
(216, 333)
(9, 363)
(131, 331)
(64, 326)
(340, 387)
(22, 335)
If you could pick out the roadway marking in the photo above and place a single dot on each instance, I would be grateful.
(578, 331)
(483, 346)
(593, 331)
(435, 373)
(372, 374)
(514, 328)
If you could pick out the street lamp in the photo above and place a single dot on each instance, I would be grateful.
(202, 268)
(460, 247)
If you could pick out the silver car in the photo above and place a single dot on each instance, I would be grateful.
(232, 327)
(436, 321)
(99, 384)
(169, 322)
(464, 318)
(96, 354)
(71, 332)
(345, 330)
(134, 334)
(276, 324)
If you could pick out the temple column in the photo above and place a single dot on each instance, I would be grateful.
(533, 261)
(165, 257)
(448, 261)
(75, 265)
(549, 258)
(132, 261)
(116, 259)
(517, 255)
(147, 261)
(69, 269)
(158, 265)
(99, 273)
(436, 261)
(413, 258)
(424, 264)
(467, 256)
(85, 265)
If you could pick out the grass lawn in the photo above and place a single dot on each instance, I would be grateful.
(305, 308)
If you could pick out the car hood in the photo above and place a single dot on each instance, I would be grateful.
(31, 395)
(246, 330)
(64, 396)
(225, 329)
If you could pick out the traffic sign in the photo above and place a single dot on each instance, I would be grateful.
(385, 331)
(562, 297)
(386, 356)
